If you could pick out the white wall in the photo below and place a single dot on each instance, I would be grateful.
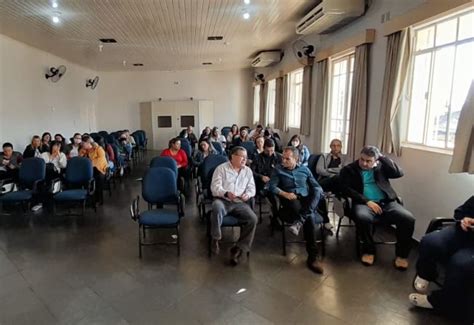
(30, 104)
(427, 188)
(121, 92)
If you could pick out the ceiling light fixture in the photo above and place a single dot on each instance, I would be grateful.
(55, 19)
(247, 2)
(246, 15)
(54, 4)
(124, 63)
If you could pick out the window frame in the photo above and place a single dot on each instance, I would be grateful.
(292, 99)
(271, 102)
(408, 91)
(256, 104)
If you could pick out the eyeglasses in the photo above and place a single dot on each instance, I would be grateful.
(243, 157)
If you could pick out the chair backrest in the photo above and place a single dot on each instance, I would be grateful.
(159, 185)
(218, 147)
(103, 133)
(79, 171)
(312, 162)
(249, 146)
(207, 168)
(186, 146)
(31, 170)
(166, 162)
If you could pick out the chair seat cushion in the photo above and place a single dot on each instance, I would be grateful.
(17, 196)
(71, 195)
(159, 217)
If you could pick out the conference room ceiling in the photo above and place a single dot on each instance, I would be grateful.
(161, 34)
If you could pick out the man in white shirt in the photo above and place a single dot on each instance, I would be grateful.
(233, 186)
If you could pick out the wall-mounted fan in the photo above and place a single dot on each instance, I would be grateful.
(92, 82)
(259, 77)
(55, 73)
(303, 51)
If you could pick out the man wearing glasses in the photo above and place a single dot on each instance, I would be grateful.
(233, 187)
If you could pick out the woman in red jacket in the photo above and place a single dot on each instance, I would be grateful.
(179, 155)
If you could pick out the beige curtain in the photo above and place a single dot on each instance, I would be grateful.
(359, 95)
(396, 71)
(263, 103)
(321, 71)
(281, 103)
(463, 153)
(305, 122)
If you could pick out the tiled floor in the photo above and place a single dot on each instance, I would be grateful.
(71, 272)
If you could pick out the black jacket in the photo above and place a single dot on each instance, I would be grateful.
(465, 210)
(263, 165)
(353, 186)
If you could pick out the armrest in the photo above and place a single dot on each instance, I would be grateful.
(91, 186)
(438, 223)
(7, 186)
(38, 185)
(180, 204)
(56, 186)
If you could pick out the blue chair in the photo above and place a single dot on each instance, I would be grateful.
(78, 185)
(312, 162)
(158, 187)
(31, 175)
(103, 133)
(249, 146)
(206, 169)
(218, 147)
(166, 162)
(225, 131)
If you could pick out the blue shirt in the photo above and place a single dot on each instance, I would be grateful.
(296, 181)
(371, 190)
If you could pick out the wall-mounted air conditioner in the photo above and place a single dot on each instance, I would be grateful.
(264, 59)
(330, 15)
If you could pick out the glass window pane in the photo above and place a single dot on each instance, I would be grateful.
(446, 32)
(466, 26)
(164, 121)
(440, 96)
(424, 38)
(419, 93)
(187, 120)
(256, 104)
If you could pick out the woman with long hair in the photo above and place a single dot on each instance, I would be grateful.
(296, 142)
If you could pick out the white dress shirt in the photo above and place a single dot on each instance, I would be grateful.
(227, 179)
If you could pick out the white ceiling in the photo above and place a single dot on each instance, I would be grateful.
(161, 34)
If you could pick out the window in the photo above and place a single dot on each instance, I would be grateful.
(294, 103)
(256, 104)
(271, 95)
(341, 71)
(441, 73)
(164, 121)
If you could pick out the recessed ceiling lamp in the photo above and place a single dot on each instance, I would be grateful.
(55, 19)
(54, 4)
(247, 2)
(246, 15)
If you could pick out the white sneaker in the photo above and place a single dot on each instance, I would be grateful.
(295, 228)
(421, 285)
(37, 207)
(328, 226)
(420, 300)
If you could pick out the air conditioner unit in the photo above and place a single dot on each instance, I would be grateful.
(264, 59)
(330, 15)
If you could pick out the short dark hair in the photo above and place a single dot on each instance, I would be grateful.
(269, 143)
(7, 145)
(294, 151)
(234, 150)
(86, 138)
(371, 151)
(259, 126)
(173, 141)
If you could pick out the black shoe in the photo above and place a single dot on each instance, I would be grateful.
(315, 266)
(235, 254)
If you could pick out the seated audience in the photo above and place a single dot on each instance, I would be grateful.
(72, 150)
(234, 132)
(56, 161)
(303, 150)
(366, 182)
(216, 136)
(258, 131)
(243, 136)
(191, 137)
(330, 165)
(45, 141)
(233, 187)
(299, 194)
(97, 155)
(60, 139)
(206, 133)
(454, 245)
(33, 149)
(259, 143)
(205, 149)
(10, 162)
(269, 134)
(179, 155)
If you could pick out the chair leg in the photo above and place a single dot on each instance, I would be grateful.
(83, 208)
(323, 241)
(139, 243)
(339, 226)
(283, 239)
(178, 240)
(144, 233)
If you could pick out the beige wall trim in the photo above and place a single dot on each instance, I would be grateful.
(366, 36)
(428, 10)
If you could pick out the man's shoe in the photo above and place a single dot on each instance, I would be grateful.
(37, 207)
(215, 247)
(315, 266)
(421, 285)
(235, 254)
(328, 226)
(295, 228)
(401, 264)
(367, 259)
(420, 300)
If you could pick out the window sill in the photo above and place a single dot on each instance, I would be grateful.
(447, 152)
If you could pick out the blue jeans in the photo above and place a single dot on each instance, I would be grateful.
(454, 248)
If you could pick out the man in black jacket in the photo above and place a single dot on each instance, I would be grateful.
(366, 182)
